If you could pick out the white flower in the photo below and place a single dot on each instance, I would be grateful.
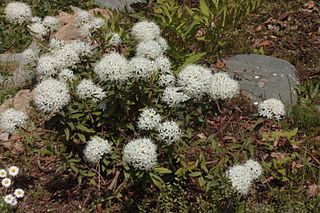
(163, 64)
(87, 23)
(114, 40)
(19, 193)
(6, 182)
(12, 119)
(14, 202)
(174, 95)
(149, 49)
(149, 119)
(141, 67)
(51, 95)
(38, 30)
(3, 173)
(66, 75)
(62, 56)
(223, 87)
(47, 65)
(97, 23)
(141, 154)
(96, 148)
(163, 43)
(145, 31)
(166, 80)
(195, 80)
(17, 12)
(56, 44)
(51, 23)
(83, 16)
(87, 89)
(70, 54)
(36, 19)
(13, 171)
(113, 67)
(241, 178)
(254, 167)
(271, 108)
(9, 199)
(30, 56)
(169, 132)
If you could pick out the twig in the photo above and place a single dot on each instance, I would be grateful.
(114, 182)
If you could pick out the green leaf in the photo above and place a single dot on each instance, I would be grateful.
(202, 182)
(192, 58)
(67, 133)
(204, 8)
(162, 170)
(195, 174)
(157, 180)
(82, 137)
(83, 128)
(77, 115)
(75, 169)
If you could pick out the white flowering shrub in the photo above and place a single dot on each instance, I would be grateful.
(95, 149)
(118, 96)
(11, 120)
(51, 95)
(18, 12)
(141, 153)
(242, 176)
(222, 87)
(195, 80)
(271, 108)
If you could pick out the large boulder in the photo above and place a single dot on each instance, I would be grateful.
(263, 77)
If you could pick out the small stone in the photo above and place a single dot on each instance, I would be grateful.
(256, 77)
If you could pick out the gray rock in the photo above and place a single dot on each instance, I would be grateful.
(263, 77)
(119, 4)
(20, 76)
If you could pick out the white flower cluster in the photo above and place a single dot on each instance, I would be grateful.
(87, 23)
(141, 154)
(68, 55)
(7, 182)
(223, 87)
(163, 64)
(271, 108)
(141, 67)
(51, 95)
(114, 40)
(145, 31)
(30, 56)
(87, 89)
(149, 119)
(40, 28)
(242, 176)
(113, 67)
(66, 75)
(195, 80)
(12, 119)
(149, 49)
(173, 96)
(169, 132)
(166, 80)
(17, 12)
(96, 148)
